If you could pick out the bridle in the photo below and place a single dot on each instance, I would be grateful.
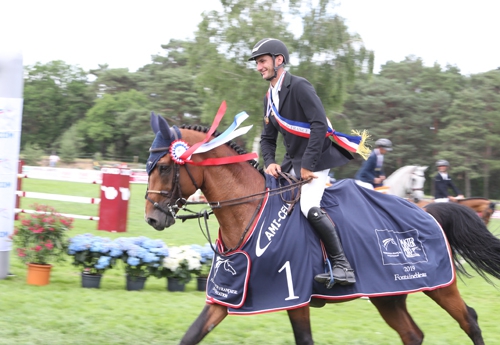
(411, 190)
(172, 207)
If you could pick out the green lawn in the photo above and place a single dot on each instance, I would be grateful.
(64, 313)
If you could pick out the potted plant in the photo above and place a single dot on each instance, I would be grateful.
(206, 253)
(41, 238)
(94, 254)
(179, 265)
(142, 258)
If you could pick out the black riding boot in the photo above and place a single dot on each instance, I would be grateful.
(343, 274)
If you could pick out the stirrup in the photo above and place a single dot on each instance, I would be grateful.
(329, 283)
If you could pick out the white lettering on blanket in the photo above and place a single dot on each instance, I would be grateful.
(271, 230)
(223, 291)
(410, 276)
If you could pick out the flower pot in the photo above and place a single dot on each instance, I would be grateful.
(135, 283)
(201, 283)
(174, 284)
(91, 281)
(38, 274)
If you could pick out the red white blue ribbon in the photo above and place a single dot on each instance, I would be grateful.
(352, 143)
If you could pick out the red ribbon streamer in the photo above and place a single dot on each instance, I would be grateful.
(215, 124)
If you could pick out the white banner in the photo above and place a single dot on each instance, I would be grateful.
(11, 110)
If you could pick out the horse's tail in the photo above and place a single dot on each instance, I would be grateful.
(469, 239)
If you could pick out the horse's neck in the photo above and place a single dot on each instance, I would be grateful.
(227, 184)
(398, 182)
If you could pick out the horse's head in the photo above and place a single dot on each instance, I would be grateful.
(169, 183)
(416, 183)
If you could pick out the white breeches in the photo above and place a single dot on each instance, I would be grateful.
(312, 192)
(364, 184)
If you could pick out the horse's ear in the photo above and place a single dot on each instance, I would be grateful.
(154, 122)
(159, 124)
(164, 128)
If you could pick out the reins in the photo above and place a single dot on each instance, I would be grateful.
(293, 186)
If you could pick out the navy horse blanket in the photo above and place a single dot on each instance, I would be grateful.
(393, 246)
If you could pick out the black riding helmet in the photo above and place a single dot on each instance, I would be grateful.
(273, 47)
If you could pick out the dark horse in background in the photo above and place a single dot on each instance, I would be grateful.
(233, 190)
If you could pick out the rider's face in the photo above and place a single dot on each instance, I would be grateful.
(442, 168)
(265, 65)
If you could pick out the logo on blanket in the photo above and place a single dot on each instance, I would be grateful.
(400, 248)
(226, 264)
(272, 228)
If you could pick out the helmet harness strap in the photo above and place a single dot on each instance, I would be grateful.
(276, 68)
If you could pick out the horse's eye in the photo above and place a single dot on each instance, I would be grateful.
(164, 169)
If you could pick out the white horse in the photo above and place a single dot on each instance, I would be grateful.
(406, 182)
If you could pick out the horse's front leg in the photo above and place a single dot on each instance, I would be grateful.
(301, 325)
(209, 317)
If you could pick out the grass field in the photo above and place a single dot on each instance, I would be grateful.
(64, 313)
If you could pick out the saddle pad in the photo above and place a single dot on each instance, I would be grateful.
(393, 246)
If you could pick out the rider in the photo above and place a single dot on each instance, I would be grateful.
(292, 101)
(442, 181)
(371, 172)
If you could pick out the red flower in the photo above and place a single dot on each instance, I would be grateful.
(21, 252)
(38, 230)
(49, 245)
(38, 248)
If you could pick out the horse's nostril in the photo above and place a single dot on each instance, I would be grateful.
(151, 221)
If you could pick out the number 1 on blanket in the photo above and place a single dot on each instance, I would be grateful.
(289, 282)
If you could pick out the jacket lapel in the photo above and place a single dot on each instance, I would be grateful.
(285, 89)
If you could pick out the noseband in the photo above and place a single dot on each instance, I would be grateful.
(172, 207)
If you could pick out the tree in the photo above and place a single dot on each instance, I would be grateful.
(463, 139)
(113, 119)
(324, 52)
(113, 81)
(56, 95)
(169, 82)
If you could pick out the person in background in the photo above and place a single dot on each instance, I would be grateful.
(292, 108)
(371, 172)
(53, 159)
(443, 182)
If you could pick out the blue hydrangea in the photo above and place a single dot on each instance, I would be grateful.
(103, 262)
(133, 261)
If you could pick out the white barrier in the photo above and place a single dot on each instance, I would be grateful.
(113, 203)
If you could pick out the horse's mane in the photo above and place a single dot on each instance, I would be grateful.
(474, 198)
(239, 150)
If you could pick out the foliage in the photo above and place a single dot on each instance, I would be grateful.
(32, 154)
(42, 237)
(114, 120)
(94, 254)
(142, 256)
(206, 257)
(181, 263)
(70, 144)
(56, 95)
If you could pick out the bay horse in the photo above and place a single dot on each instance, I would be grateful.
(408, 182)
(234, 191)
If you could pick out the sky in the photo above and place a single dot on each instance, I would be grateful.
(124, 34)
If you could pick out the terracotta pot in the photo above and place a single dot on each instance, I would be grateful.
(38, 274)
